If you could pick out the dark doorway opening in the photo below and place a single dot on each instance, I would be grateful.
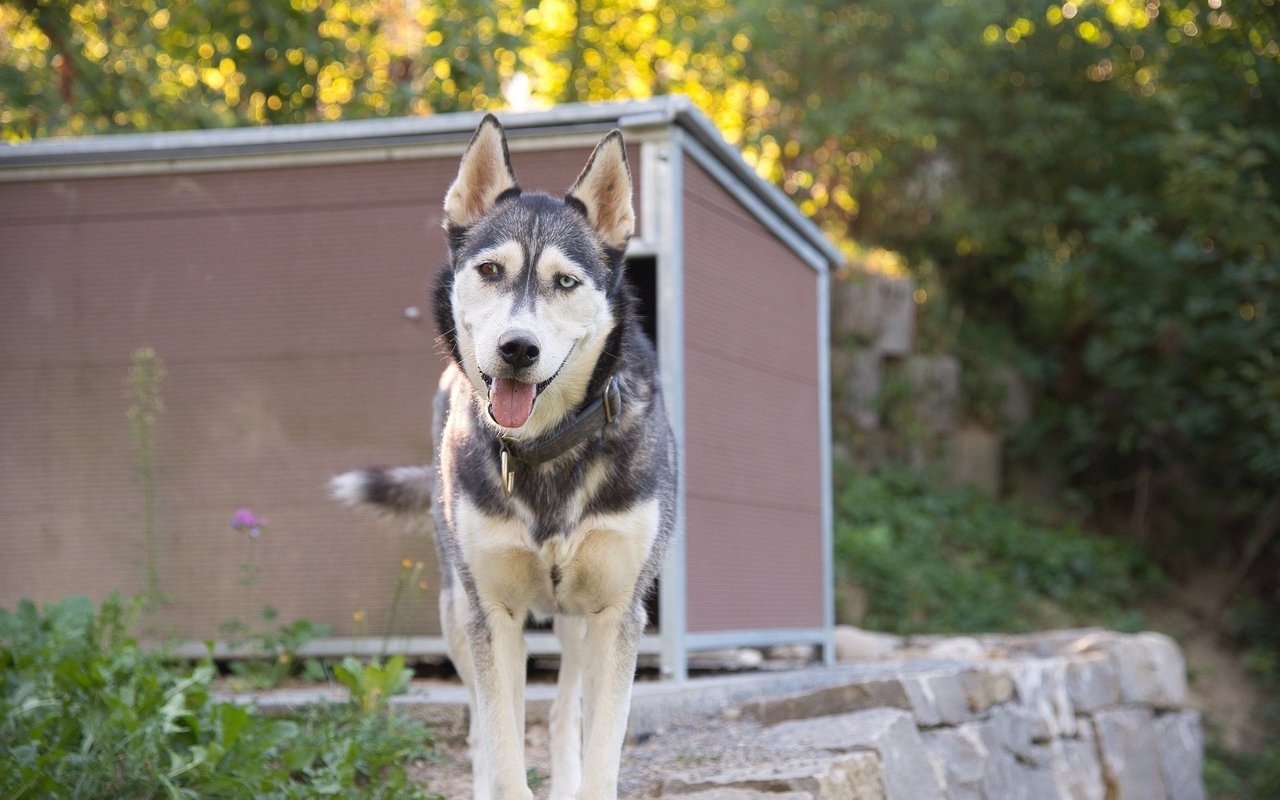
(642, 275)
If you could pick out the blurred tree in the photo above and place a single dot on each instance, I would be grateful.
(92, 66)
(1098, 178)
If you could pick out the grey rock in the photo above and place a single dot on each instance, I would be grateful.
(956, 647)
(937, 697)
(848, 776)
(1035, 779)
(727, 660)
(1130, 764)
(986, 686)
(897, 336)
(1149, 669)
(858, 307)
(962, 757)
(1076, 769)
(875, 310)
(857, 696)
(935, 384)
(732, 793)
(1042, 689)
(740, 794)
(1010, 728)
(803, 653)
(905, 769)
(855, 644)
(1091, 682)
(1180, 741)
(974, 458)
(861, 387)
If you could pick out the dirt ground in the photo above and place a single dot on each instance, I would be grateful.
(1219, 685)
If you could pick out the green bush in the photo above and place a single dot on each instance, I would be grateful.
(86, 712)
(952, 560)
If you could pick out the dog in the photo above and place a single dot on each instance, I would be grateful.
(553, 486)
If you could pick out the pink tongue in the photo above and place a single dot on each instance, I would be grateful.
(511, 401)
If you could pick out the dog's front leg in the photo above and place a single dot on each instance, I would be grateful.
(498, 651)
(566, 710)
(612, 637)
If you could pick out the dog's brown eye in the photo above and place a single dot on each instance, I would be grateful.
(488, 269)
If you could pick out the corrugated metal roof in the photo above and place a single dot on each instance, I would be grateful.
(364, 134)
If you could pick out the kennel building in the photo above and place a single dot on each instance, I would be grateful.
(281, 275)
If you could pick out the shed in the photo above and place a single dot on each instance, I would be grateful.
(281, 274)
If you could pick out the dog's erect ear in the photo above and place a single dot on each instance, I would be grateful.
(604, 190)
(485, 173)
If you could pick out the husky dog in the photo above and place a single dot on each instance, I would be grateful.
(554, 480)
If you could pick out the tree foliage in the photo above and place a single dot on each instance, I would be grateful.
(1098, 179)
(92, 66)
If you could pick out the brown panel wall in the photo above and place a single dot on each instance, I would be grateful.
(754, 515)
(275, 298)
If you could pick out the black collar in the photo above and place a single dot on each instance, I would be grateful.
(589, 421)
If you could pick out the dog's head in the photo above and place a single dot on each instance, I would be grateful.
(529, 297)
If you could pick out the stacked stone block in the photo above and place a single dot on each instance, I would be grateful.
(873, 342)
(1080, 715)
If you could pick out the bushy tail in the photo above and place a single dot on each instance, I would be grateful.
(398, 490)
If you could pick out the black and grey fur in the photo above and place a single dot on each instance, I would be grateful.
(580, 537)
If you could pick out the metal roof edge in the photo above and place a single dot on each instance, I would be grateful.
(318, 135)
(700, 126)
(353, 134)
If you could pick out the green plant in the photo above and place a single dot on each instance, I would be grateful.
(272, 655)
(271, 652)
(953, 560)
(86, 712)
(410, 575)
(372, 685)
(536, 778)
(145, 377)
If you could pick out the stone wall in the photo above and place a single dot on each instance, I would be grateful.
(1072, 715)
(893, 401)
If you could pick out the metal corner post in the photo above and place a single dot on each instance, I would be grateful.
(663, 164)
(828, 491)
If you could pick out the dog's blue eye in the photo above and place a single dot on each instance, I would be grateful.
(488, 269)
(566, 281)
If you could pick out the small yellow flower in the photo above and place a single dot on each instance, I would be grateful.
(283, 658)
(407, 563)
(358, 616)
(418, 566)
(422, 585)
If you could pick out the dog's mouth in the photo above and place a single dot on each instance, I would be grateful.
(511, 401)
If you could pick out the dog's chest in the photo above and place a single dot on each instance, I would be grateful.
(584, 570)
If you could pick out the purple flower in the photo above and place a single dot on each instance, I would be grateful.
(245, 521)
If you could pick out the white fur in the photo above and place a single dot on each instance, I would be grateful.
(571, 329)
(482, 176)
(604, 187)
(348, 488)
(600, 564)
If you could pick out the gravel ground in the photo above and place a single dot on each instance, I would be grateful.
(709, 746)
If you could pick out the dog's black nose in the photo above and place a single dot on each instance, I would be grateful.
(518, 348)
